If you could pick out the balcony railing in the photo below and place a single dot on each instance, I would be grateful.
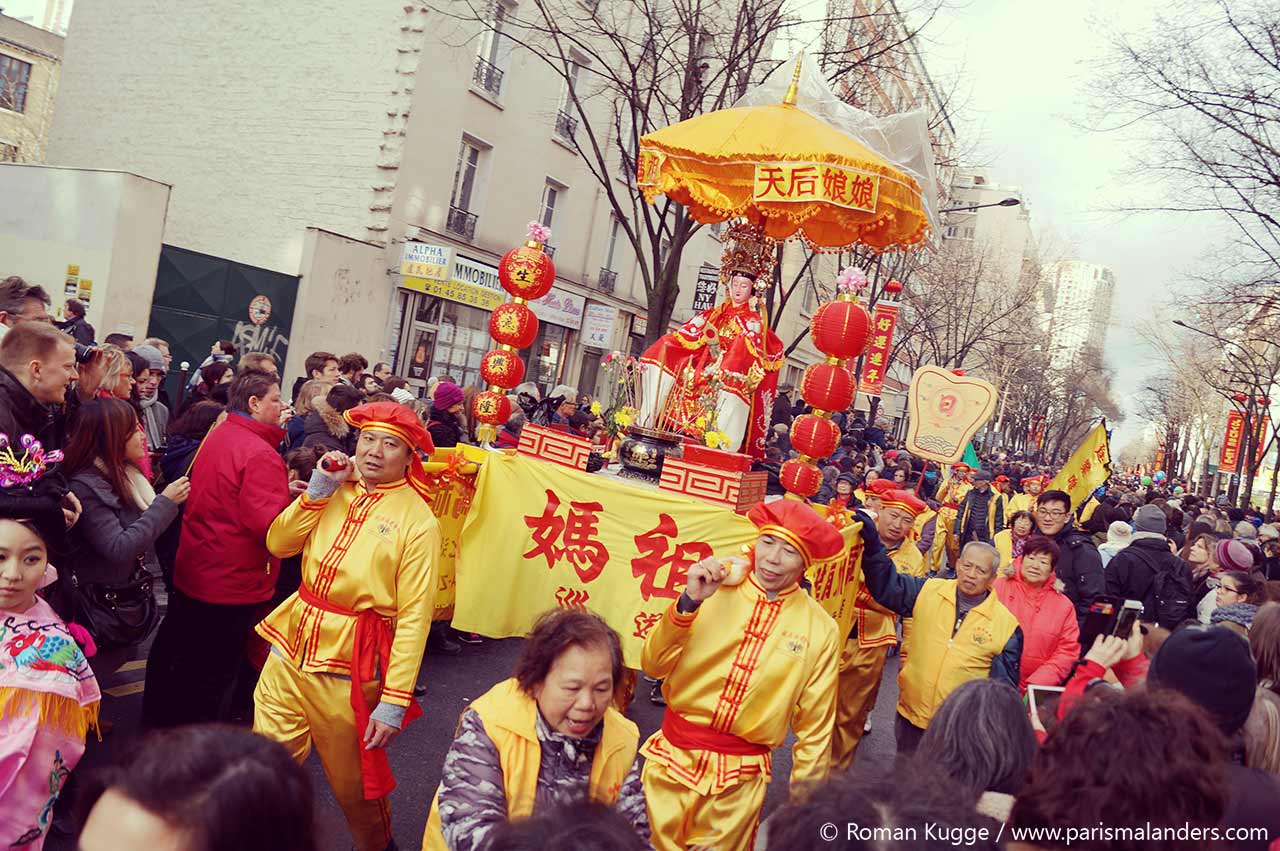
(462, 223)
(566, 125)
(549, 250)
(487, 76)
(608, 278)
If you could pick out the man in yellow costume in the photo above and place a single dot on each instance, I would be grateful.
(741, 663)
(862, 660)
(960, 631)
(950, 493)
(352, 637)
(1032, 487)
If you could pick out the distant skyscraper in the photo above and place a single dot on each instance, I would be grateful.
(1079, 296)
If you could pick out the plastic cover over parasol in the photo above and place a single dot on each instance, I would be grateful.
(793, 158)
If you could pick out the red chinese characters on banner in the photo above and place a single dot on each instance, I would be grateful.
(1229, 459)
(574, 536)
(806, 182)
(1260, 438)
(662, 568)
(876, 363)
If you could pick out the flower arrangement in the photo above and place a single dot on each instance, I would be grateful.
(851, 280)
(622, 409)
(539, 232)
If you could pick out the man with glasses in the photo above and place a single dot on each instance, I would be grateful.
(1080, 567)
(960, 629)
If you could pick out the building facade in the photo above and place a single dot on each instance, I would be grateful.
(30, 69)
(1080, 294)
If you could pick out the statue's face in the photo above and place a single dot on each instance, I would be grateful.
(740, 289)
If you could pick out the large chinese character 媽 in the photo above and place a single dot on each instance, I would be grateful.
(586, 553)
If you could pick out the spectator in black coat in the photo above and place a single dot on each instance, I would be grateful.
(781, 414)
(325, 426)
(76, 325)
(1132, 573)
(445, 422)
(1080, 566)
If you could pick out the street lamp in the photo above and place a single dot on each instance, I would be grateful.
(1007, 202)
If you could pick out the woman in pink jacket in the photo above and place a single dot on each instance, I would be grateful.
(1051, 635)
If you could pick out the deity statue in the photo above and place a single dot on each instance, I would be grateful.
(725, 356)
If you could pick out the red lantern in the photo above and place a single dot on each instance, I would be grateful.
(800, 478)
(491, 408)
(827, 386)
(502, 368)
(527, 272)
(1264, 400)
(814, 436)
(513, 325)
(1240, 397)
(841, 329)
(893, 287)
(958, 372)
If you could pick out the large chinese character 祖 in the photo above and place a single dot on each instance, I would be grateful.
(654, 558)
(580, 545)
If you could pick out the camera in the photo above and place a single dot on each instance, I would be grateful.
(84, 353)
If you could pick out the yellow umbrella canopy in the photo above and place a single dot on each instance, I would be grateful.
(786, 171)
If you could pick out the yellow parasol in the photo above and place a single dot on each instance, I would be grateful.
(786, 171)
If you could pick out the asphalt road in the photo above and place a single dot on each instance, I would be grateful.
(418, 754)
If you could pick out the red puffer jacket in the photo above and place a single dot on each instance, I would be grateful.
(238, 486)
(1050, 633)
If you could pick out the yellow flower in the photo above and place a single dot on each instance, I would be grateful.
(700, 422)
(595, 408)
(716, 439)
(623, 419)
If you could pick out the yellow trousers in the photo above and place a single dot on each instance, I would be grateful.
(856, 690)
(944, 540)
(296, 709)
(681, 818)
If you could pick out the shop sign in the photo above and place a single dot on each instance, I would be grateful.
(704, 293)
(473, 283)
(428, 262)
(597, 326)
(639, 325)
(560, 307)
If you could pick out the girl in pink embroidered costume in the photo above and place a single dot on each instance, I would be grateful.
(48, 696)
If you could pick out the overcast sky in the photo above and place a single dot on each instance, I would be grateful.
(1025, 70)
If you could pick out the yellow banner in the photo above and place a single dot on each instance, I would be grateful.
(540, 536)
(451, 498)
(1088, 468)
(834, 184)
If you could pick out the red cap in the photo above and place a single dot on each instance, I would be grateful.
(904, 500)
(1043, 479)
(400, 422)
(800, 526)
(1002, 478)
(960, 465)
(880, 486)
(891, 454)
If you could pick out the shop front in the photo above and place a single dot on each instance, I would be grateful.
(440, 326)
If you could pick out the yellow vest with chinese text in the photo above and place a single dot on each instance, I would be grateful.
(938, 662)
(510, 720)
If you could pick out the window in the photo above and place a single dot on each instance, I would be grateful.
(489, 56)
(14, 77)
(8, 153)
(626, 144)
(550, 195)
(462, 221)
(566, 123)
(615, 228)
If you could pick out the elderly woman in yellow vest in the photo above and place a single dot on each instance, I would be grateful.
(549, 735)
(961, 631)
(1010, 541)
(862, 660)
(745, 653)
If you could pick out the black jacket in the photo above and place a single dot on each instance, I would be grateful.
(1131, 575)
(1080, 569)
(21, 413)
(326, 427)
(80, 330)
(445, 429)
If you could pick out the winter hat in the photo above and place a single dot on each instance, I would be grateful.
(1213, 667)
(404, 397)
(447, 395)
(1241, 613)
(1149, 518)
(1246, 531)
(150, 354)
(1233, 555)
(982, 476)
(1119, 533)
(1268, 532)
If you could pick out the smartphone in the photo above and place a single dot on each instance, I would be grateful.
(1108, 616)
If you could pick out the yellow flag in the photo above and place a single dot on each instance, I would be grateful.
(1088, 468)
(540, 536)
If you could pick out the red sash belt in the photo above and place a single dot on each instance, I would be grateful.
(689, 736)
(370, 656)
(951, 505)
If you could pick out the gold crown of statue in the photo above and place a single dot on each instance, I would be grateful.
(747, 250)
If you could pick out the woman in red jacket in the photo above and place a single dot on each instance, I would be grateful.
(1051, 635)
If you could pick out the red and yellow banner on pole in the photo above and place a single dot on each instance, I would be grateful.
(541, 536)
(876, 363)
(1229, 459)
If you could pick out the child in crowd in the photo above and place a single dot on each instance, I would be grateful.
(48, 696)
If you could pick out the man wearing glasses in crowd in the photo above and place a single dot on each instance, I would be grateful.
(1080, 567)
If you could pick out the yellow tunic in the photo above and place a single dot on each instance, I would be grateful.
(750, 666)
(360, 551)
(1019, 502)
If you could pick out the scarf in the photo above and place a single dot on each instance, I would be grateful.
(1018, 544)
(151, 426)
(43, 671)
(141, 493)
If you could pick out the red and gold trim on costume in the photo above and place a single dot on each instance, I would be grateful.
(791, 538)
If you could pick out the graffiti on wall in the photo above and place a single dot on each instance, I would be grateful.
(261, 338)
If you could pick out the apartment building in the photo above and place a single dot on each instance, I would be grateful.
(30, 67)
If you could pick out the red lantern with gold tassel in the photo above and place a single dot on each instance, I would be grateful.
(491, 408)
(513, 324)
(814, 436)
(526, 271)
(841, 328)
(827, 386)
(800, 478)
(502, 368)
